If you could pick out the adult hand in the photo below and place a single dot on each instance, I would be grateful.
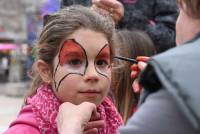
(136, 69)
(74, 118)
(93, 125)
(114, 7)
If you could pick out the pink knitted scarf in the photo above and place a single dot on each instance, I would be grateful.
(45, 106)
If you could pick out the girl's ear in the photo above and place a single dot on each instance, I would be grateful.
(44, 71)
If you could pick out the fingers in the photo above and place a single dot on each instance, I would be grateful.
(88, 110)
(134, 74)
(114, 7)
(136, 86)
(110, 3)
(95, 124)
(105, 3)
(142, 58)
(82, 112)
(141, 65)
(89, 106)
(98, 4)
(142, 62)
(136, 69)
(91, 131)
(95, 116)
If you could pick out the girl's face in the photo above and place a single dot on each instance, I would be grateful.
(82, 70)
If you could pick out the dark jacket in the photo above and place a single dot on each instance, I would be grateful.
(77, 2)
(140, 14)
(170, 103)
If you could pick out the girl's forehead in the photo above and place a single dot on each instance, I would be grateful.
(71, 45)
(89, 39)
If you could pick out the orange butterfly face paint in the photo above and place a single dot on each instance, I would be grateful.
(72, 57)
(73, 60)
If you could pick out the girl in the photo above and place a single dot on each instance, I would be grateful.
(74, 57)
(130, 44)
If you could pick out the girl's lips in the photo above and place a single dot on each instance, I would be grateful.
(90, 92)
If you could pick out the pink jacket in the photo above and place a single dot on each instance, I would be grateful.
(25, 123)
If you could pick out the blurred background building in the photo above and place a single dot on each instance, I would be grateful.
(20, 25)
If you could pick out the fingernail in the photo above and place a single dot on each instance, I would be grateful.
(134, 67)
(134, 74)
(142, 58)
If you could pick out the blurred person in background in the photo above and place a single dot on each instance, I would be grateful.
(156, 17)
(129, 44)
(28, 64)
(4, 67)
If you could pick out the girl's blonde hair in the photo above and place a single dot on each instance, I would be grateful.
(58, 26)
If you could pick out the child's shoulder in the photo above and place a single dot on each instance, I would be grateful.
(25, 122)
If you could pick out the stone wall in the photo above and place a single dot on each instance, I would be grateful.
(13, 15)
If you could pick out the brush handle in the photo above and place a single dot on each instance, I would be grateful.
(126, 59)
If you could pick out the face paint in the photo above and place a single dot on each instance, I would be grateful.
(72, 60)
(73, 57)
(103, 61)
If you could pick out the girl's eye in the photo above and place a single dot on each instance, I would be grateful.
(102, 63)
(74, 62)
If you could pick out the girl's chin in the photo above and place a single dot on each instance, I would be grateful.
(96, 102)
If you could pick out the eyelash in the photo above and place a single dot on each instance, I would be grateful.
(105, 62)
(74, 62)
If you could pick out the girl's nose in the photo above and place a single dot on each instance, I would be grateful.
(91, 73)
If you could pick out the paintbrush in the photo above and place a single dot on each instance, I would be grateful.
(126, 59)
